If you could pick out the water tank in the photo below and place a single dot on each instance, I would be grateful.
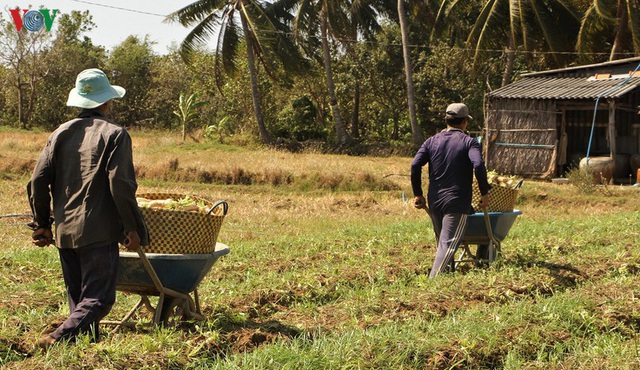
(602, 168)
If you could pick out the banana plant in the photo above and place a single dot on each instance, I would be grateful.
(187, 110)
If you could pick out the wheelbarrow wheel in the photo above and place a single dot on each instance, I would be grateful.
(482, 255)
(172, 311)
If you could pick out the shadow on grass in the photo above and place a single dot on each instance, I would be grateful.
(562, 277)
(565, 276)
(238, 334)
(223, 332)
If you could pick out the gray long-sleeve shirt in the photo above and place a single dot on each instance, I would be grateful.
(87, 169)
(453, 158)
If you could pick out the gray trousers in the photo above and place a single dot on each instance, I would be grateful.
(90, 278)
(449, 229)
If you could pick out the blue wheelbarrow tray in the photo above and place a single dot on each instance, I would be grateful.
(501, 223)
(171, 277)
(486, 231)
(180, 272)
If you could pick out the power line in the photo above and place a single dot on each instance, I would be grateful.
(352, 40)
(119, 8)
(428, 46)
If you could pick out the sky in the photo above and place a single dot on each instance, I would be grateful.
(116, 19)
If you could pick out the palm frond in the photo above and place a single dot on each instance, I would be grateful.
(634, 24)
(441, 17)
(227, 48)
(364, 18)
(605, 9)
(523, 28)
(336, 13)
(386, 8)
(491, 25)
(547, 17)
(195, 12)
(306, 27)
(515, 15)
(305, 20)
(199, 35)
(252, 30)
(592, 35)
(282, 42)
(281, 8)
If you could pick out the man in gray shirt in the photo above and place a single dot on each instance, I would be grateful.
(453, 158)
(86, 169)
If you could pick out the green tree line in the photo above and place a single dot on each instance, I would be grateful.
(342, 73)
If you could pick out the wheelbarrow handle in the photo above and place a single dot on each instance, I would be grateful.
(223, 203)
(519, 184)
(150, 270)
(487, 222)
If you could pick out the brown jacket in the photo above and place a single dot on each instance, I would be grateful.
(87, 168)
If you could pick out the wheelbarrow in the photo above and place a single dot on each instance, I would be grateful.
(486, 231)
(173, 278)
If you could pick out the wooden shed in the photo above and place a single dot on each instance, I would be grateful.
(541, 125)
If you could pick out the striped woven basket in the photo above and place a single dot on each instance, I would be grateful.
(501, 199)
(182, 232)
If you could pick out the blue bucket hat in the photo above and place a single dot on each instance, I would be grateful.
(93, 89)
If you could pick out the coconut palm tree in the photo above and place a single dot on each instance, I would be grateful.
(340, 21)
(265, 32)
(364, 24)
(328, 19)
(416, 131)
(550, 26)
(611, 22)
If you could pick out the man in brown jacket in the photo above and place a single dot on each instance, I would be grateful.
(86, 169)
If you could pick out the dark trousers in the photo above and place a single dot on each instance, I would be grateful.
(90, 278)
(449, 229)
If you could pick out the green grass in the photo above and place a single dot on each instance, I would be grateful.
(337, 277)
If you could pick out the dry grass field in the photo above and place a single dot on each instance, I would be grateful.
(328, 269)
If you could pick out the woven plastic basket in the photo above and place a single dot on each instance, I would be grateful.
(182, 232)
(501, 199)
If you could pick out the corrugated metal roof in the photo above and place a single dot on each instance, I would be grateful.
(612, 65)
(566, 88)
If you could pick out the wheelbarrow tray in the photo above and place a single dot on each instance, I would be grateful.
(180, 272)
(501, 223)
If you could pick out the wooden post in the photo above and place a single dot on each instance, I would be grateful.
(611, 133)
(487, 133)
